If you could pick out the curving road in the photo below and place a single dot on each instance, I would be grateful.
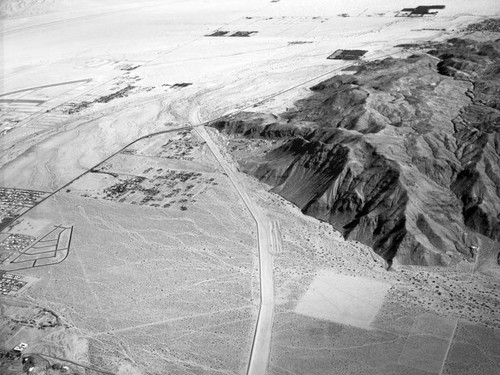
(261, 346)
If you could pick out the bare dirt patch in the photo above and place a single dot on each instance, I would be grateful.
(343, 299)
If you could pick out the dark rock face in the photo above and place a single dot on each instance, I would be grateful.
(403, 156)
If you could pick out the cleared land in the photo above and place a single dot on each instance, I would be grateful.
(343, 299)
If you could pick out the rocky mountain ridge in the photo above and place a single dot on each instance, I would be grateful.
(403, 155)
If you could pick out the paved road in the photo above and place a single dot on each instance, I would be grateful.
(261, 347)
(50, 195)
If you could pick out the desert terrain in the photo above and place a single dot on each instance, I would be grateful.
(139, 236)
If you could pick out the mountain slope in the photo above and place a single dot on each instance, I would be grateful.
(404, 155)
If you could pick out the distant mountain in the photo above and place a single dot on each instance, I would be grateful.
(22, 8)
(403, 156)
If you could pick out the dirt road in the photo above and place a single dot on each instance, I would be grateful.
(261, 346)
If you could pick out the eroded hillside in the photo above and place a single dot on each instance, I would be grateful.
(404, 155)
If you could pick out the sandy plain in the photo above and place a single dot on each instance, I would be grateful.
(158, 289)
(182, 277)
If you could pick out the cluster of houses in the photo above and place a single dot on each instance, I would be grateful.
(10, 284)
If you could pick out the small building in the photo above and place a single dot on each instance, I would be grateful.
(20, 347)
